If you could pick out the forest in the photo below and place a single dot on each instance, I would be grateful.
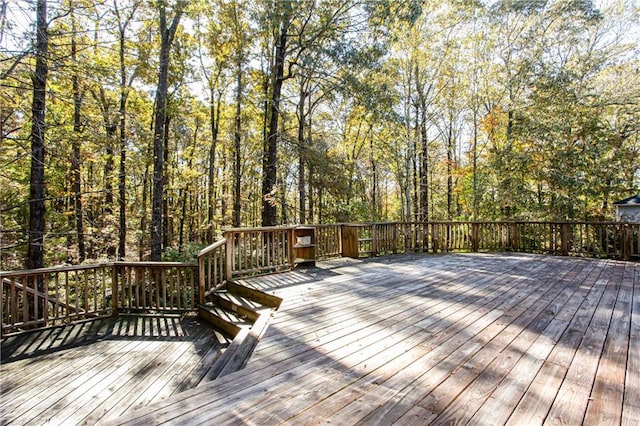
(139, 129)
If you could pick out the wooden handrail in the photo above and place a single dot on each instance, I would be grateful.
(62, 268)
(155, 264)
(260, 229)
(212, 247)
(212, 269)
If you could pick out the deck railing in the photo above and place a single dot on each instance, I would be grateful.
(155, 286)
(52, 296)
(212, 267)
(328, 241)
(257, 250)
(592, 239)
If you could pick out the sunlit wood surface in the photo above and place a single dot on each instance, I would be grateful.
(478, 339)
(419, 339)
(81, 373)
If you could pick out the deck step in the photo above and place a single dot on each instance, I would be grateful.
(243, 307)
(243, 314)
(224, 320)
(236, 356)
(254, 295)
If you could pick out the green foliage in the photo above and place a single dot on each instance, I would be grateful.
(413, 109)
(186, 253)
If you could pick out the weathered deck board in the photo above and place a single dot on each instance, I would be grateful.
(114, 366)
(467, 338)
(631, 402)
(413, 339)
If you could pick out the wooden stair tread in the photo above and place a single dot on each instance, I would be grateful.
(241, 300)
(236, 356)
(256, 296)
(226, 321)
(241, 313)
(238, 304)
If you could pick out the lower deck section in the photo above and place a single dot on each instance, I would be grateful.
(94, 369)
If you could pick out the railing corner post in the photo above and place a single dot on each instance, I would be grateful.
(114, 290)
(395, 237)
(564, 238)
(626, 242)
(201, 280)
(291, 242)
(434, 238)
(475, 232)
(229, 255)
(374, 240)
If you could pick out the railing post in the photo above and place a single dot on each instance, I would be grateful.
(395, 237)
(290, 244)
(626, 241)
(564, 238)
(201, 279)
(374, 240)
(475, 232)
(229, 236)
(114, 290)
(434, 237)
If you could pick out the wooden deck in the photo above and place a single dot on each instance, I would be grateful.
(81, 373)
(465, 338)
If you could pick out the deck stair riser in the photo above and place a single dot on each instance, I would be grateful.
(239, 306)
(242, 314)
(253, 294)
(225, 321)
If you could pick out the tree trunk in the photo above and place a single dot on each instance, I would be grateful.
(424, 170)
(270, 153)
(424, 158)
(167, 230)
(374, 182)
(237, 139)
(183, 214)
(75, 142)
(312, 214)
(214, 110)
(302, 154)
(122, 178)
(123, 24)
(475, 163)
(450, 170)
(167, 35)
(37, 184)
(143, 215)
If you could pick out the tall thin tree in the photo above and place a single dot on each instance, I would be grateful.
(37, 183)
(167, 34)
(270, 152)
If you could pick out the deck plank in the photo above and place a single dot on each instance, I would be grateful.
(479, 341)
(573, 396)
(412, 339)
(112, 359)
(459, 322)
(539, 396)
(605, 402)
(631, 401)
(499, 406)
(503, 333)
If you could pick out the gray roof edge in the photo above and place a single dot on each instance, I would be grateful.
(634, 200)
